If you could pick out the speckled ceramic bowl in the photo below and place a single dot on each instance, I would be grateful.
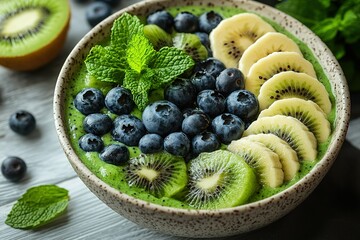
(192, 223)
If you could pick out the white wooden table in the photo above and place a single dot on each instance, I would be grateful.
(87, 217)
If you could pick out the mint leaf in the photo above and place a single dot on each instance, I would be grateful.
(350, 25)
(105, 64)
(123, 30)
(327, 29)
(169, 63)
(38, 206)
(139, 52)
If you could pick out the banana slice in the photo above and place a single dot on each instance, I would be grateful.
(275, 63)
(292, 84)
(308, 112)
(287, 156)
(265, 162)
(234, 35)
(291, 130)
(270, 42)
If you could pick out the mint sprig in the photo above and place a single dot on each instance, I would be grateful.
(131, 60)
(38, 206)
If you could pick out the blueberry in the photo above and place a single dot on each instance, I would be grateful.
(162, 117)
(177, 143)
(208, 21)
(96, 12)
(229, 80)
(186, 22)
(161, 18)
(115, 154)
(119, 101)
(204, 38)
(195, 123)
(203, 80)
(181, 92)
(91, 143)
(211, 102)
(110, 2)
(97, 123)
(151, 143)
(22, 122)
(128, 130)
(243, 104)
(227, 127)
(89, 100)
(190, 111)
(210, 65)
(204, 142)
(13, 168)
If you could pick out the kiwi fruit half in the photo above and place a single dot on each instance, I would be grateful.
(160, 174)
(270, 42)
(274, 63)
(157, 36)
(306, 111)
(191, 44)
(32, 33)
(234, 35)
(220, 179)
(287, 155)
(292, 84)
(265, 162)
(291, 130)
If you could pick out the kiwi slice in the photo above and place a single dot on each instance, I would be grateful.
(191, 44)
(157, 36)
(265, 162)
(308, 112)
(234, 35)
(219, 179)
(32, 32)
(160, 174)
(291, 84)
(274, 63)
(291, 130)
(287, 156)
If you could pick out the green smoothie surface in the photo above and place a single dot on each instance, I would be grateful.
(114, 176)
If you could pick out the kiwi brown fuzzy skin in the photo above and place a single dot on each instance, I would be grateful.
(41, 56)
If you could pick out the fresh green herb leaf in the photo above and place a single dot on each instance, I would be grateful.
(327, 29)
(169, 63)
(38, 206)
(105, 64)
(139, 53)
(349, 26)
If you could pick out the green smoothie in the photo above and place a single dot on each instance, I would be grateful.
(114, 175)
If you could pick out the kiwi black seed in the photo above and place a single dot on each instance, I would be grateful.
(192, 45)
(157, 36)
(160, 174)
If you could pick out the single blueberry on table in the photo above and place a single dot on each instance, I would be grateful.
(228, 127)
(186, 22)
(210, 65)
(151, 143)
(162, 19)
(177, 143)
(243, 104)
(211, 102)
(22, 122)
(204, 142)
(208, 21)
(181, 92)
(13, 168)
(96, 12)
(119, 100)
(162, 117)
(195, 123)
(128, 130)
(115, 154)
(203, 80)
(229, 80)
(91, 143)
(97, 123)
(89, 100)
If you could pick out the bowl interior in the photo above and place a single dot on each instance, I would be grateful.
(329, 64)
